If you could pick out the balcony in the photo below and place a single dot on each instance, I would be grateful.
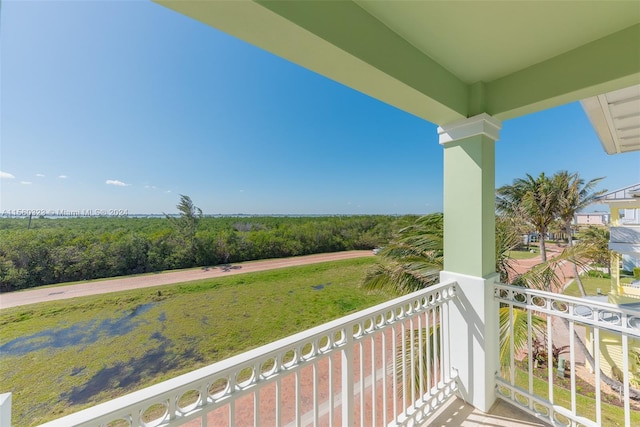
(396, 364)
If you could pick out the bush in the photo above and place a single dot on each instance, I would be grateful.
(636, 272)
(598, 274)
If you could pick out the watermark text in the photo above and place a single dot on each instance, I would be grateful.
(9, 213)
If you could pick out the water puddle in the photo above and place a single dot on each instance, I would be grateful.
(79, 333)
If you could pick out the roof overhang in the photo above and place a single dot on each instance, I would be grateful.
(444, 61)
(616, 118)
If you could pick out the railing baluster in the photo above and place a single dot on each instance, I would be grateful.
(550, 359)
(421, 357)
(596, 358)
(530, 353)
(373, 379)
(394, 369)
(346, 370)
(278, 403)
(314, 367)
(405, 378)
(572, 361)
(330, 379)
(412, 362)
(625, 371)
(361, 351)
(429, 365)
(441, 344)
(384, 362)
(436, 354)
(512, 357)
(296, 377)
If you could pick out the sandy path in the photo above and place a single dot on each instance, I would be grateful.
(15, 299)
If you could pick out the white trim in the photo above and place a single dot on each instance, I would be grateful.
(482, 124)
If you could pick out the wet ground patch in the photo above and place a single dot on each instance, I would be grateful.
(79, 333)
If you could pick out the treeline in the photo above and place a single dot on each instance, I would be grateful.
(71, 249)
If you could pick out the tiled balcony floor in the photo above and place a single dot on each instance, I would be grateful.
(457, 413)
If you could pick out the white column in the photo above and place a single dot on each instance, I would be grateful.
(469, 249)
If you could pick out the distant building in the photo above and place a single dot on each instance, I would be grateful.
(591, 218)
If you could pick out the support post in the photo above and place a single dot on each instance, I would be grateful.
(469, 248)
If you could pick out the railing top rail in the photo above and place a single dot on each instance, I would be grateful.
(604, 315)
(428, 299)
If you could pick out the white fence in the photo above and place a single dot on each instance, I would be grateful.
(607, 332)
(385, 365)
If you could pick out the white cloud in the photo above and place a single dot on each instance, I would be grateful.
(39, 175)
(63, 176)
(6, 175)
(150, 187)
(168, 191)
(117, 183)
(25, 182)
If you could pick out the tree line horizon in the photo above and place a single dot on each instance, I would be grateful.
(58, 250)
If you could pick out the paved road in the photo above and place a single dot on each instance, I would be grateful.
(15, 299)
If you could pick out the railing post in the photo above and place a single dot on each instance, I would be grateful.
(346, 369)
(5, 410)
(475, 350)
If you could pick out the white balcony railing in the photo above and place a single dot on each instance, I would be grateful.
(391, 365)
(365, 369)
(608, 332)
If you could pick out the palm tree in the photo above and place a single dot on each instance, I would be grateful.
(533, 199)
(596, 243)
(413, 261)
(574, 195)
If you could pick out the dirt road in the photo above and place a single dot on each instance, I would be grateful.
(15, 299)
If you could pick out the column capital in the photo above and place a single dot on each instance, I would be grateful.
(482, 124)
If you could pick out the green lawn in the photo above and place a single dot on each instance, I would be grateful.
(591, 285)
(522, 254)
(62, 356)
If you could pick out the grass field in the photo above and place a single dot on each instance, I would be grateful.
(523, 254)
(591, 285)
(60, 357)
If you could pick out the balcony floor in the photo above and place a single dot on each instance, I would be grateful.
(458, 413)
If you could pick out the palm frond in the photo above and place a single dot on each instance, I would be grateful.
(520, 328)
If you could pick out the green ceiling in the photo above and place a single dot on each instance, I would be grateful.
(444, 60)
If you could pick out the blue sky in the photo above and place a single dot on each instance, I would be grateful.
(125, 105)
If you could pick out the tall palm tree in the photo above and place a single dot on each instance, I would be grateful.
(574, 194)
(533, 199)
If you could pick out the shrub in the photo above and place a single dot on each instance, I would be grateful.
(636, 272)
(598, 274)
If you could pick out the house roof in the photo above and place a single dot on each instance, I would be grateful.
(616, 118)
(444, 61)
(630, 193)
